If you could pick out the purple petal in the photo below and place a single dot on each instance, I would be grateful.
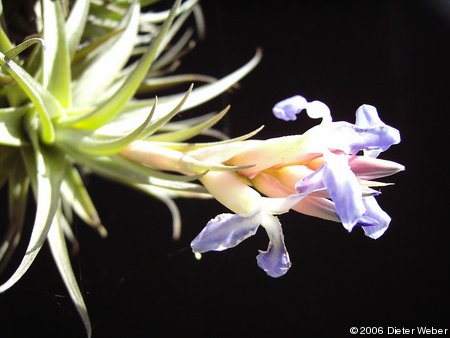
(351, 138)
(344, 189)
(289, 108)
(312, 182)
(275, 261)
(367, 118)
(317, 110)
(223, 232)
(375, 220)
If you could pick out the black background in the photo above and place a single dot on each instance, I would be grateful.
(139, 283)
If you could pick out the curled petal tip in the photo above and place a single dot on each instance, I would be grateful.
(318, 109)
(288, 109)
(375, 220)
(275, 262)
(378, 136)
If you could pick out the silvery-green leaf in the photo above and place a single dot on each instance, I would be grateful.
(46, 173)
(11, 127)
(103, 146)
(109, 109)
(91, 47)
(109, 60)
(181, 135)
(157, 17)
(14, 94)
(111, 11)
(13, 52)
(58, 248)
(46, 105)
(137, 109)
(176, 26)
(185, 147)
(174, 51)
(76, 194)
(5, 42)
(18, 195)
(75, 25)
(122, 126)
(56, 60)
(155, 83)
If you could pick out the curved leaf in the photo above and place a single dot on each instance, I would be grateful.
(109, 59)
(76, 194)
(123, 125)
(112, 146)
(58, 248)
(46, 105)
(46, 172)
(18, 196)
(13, 52)
(184, 134)
(11, 127)
(112, 107)
(56, 60)
(75, 25)
(137, 109)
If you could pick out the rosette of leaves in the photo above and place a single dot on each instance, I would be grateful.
(68, 103)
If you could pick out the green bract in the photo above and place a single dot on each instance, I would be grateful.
(67, 100)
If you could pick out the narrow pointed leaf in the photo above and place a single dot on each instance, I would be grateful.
(165, 82)
(185, 147)
(112, 146)
(46, 105)
(173, 53)
(156, 17)
(58, 248)
(13, 52)
(11, 126)
(55, 56)
(75, 193)
(122, 125)
(91, 47)
(181, 135)
(46, 174)
(18, 195)
(112, 107)
(200, 95)
(107, 63)
(75, 25)
(5, 42)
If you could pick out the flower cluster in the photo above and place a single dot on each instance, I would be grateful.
(327, 172)
(76, 97)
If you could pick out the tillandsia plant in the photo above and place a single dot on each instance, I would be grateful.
(75, 96)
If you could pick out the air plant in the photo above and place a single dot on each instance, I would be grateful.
(69, 102)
